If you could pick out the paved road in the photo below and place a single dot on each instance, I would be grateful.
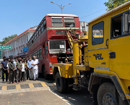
(43, 97)
(41, 92)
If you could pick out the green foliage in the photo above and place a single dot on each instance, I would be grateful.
(6, 39)
(114, 3)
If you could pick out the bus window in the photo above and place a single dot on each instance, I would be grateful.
(69, 22)
(57, 22)
(39, 31)
(44, 24)
(57, 46)
(38, 54)
(32, 41)
(46, 47)
(43, 49)
(41, 27)
(40, 51)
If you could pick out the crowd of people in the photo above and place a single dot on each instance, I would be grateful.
(19, 69)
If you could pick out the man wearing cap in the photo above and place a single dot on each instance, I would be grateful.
(4, 69)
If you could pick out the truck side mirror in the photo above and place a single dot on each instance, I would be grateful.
(126, 23)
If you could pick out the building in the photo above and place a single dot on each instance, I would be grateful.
(0, 55)
(19, 44)
(83, 26)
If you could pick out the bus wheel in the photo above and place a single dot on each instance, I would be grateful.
(61, 83)
(44, 72)
(106, 94)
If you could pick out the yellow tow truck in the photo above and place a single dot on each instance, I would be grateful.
(104, 64)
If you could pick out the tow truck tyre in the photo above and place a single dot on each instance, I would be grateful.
(61, 83)
(107, 95)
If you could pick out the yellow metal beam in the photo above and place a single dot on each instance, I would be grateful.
(82, 67)
(75, 61)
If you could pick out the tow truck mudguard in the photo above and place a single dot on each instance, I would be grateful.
(55, 70)
(96, 77)
(65, 70)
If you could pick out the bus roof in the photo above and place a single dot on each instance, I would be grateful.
(62, 15)
(109, 12)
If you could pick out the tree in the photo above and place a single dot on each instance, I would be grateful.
(6, 39)
(114, 3)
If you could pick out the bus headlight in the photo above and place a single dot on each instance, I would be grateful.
(50, 64)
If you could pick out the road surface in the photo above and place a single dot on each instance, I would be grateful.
(41, 92)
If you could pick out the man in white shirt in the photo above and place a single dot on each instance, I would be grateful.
(15, 73)
(23, 70)
(30, 68)
(35, 63)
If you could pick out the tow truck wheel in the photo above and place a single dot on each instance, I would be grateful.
(61, 83)
(107, 95)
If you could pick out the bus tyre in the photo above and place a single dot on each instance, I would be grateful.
(44, 72)
(61, 83)
(106, 94)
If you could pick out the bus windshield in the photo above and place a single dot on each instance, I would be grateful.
(57, 46)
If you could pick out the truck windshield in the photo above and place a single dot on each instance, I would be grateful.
(57, 46)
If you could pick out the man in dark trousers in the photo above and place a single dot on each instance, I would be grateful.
(11, 71)
(27, 69)
(19, 68)
(4, 69)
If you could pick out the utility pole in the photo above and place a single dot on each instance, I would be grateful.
(61, 6)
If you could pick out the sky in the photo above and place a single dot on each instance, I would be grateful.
(16, 16)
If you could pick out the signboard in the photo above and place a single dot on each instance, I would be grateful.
(5, 47)
(62, 46)
(25, 49)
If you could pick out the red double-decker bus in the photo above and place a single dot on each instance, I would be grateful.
(49, 41)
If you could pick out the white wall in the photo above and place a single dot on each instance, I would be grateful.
(83, 26)
(18, 44)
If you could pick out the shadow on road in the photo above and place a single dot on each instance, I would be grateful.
(81, 97)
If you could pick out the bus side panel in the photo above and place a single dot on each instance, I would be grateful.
(48, 20)
(77, 23)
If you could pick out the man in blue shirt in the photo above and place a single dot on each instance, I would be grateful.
(30, 68)
(4, 69)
